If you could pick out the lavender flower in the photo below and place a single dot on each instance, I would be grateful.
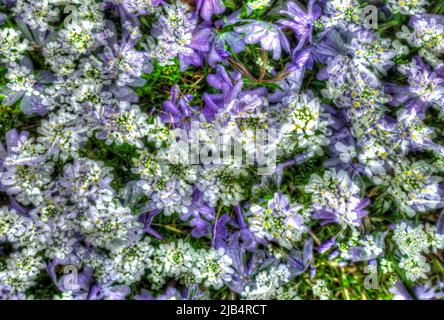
(207, 8)
(301, 21)
(270, 37)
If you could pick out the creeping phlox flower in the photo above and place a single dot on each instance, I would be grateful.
(210, 149)
(138, 7)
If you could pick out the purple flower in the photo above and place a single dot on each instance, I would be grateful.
(368, 253)
(408, 133)
(301, 21)
(354, 57)
(176, 33)
(203, 216)
(426, 87)
(300, 260)
(209, 7)
(219, 233)
(171, 293)
(133, 7)
(218, 53)
(440, 224)
(343, 153)
(147, 219)
(270, 36)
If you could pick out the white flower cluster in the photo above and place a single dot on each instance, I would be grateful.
(127, 124)
(12, 45)
(413, 243)
(336, 192)
(279, 221)
(179, 261)
(268, 284)
(38, 14)
(139, 6)
(173, 32)
(258, 4)
(168, 179)
(427, 36)
(344, 13)
(21, 271)
(223, 183)
(362, 248)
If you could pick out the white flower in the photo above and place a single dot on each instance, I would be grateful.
(414, 188)
(78, 37)
(412, 244)
(37, 14)
(278, 221)
(176, 258)
(28, 182)
(158, 133)
(224, 183)
(22, 269)
(258, 4)
(214, 268)
(124, 124)
(62, 135)
(304, 126)
(346, 153)
(21, 79)
(13, 226)
(333, 190)
(129, 263)
(321, 290)
(268, 284)
(408, 7)
(12, 46)
(415, 267)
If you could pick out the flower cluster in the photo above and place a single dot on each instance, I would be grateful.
(211, 149)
